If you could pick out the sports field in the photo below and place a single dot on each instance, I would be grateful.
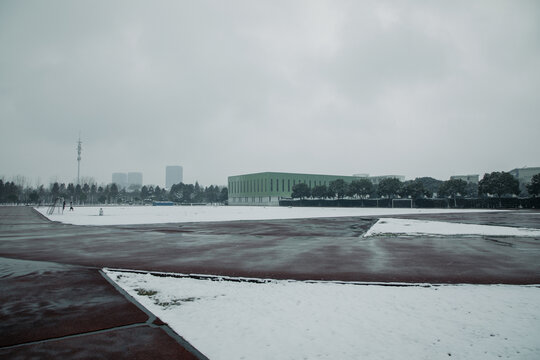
(327, 283)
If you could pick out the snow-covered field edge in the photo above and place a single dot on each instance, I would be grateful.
(239, 279)
(126, 215)
(410, 227)
(231, 318)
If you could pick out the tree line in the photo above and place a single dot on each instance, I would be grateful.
(497, 184)
(12, 193)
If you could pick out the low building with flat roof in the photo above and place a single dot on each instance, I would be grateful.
(467, 178)
(377, 179)
(267, 188)
(524, 175)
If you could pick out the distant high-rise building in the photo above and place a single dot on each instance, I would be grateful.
(134, 178)
(123, 180)
(120, 179)
(173, 175)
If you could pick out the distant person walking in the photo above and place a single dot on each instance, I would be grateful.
(71, 206)
(63, 206)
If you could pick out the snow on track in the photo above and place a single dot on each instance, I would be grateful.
(394, 226)
(299, 320)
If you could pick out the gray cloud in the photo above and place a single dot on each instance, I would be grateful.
(416, 88)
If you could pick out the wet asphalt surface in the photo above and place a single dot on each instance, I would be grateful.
(55, 303)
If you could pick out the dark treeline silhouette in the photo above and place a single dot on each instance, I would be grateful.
(494, 185)
(189, 193)
(10, 193)
(387, 188)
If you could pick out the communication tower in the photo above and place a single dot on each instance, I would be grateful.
(79, 148)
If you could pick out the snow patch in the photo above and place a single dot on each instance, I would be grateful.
(392, 226)
(299, 320)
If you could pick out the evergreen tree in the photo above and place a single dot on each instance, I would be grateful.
(93, 192)
(197, 193)
(389, 187)
(211, 194)
(41, 193)
(453, 188)
(176, 192)
(361, 187)
(71, 190)
(223, 195)
(414, 189)
(157, 193)
(62, 191)
(113, 192)
(12, 192)
(320, 191)
(78, 192)
(338, 188)
(144, 192)
(55, 190)
(534, 186)
(34, 197)
(430, 184)
(188, 193)
(300, 190)
(498, 183)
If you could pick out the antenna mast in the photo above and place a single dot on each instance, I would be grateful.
(79, 148)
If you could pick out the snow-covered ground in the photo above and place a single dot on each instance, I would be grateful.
(299, 320)
(423, 227)
(124, 215)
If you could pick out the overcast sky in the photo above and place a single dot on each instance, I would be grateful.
(418, 88)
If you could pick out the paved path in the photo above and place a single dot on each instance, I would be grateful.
(58, 311)
(55, 303)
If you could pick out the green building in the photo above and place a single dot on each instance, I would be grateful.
(267, 188)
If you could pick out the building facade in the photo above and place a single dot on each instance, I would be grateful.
(467, 178)
(524, 176)
(125, 180)
(267, 188)
(377, 179)
(173, 175)
(120, 179)
(134, 179)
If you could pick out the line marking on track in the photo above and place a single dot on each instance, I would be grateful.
(153, 320)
